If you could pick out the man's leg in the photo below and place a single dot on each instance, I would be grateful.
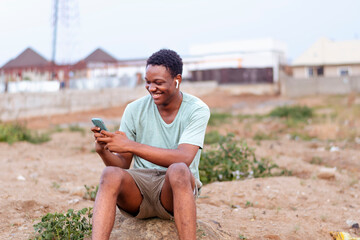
(177, 196)
(116, 186)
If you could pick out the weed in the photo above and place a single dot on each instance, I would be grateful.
(57, 128)
(55, 185)
(233, 160)
(15, 132)
(212, 137)
(259, 136)
(303, 136)
(300, 113)
(70, 225)
(91, 192)
(242, 237)
(76, 128)
(296, 228)
(353, 182)
(217, 118)
(249, 204)
(316, 160)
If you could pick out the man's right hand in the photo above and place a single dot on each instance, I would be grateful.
(99, 146)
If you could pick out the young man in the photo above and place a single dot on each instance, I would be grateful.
(163, 134)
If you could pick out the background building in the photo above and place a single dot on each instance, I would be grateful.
(327, 58)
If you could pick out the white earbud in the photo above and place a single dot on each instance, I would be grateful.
(177, 83)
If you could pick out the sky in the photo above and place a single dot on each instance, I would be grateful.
(130, 29)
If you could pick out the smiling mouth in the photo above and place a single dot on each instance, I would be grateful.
(156, 95)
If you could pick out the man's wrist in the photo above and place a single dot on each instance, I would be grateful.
(132, 146)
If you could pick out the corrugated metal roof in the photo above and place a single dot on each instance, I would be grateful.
(100, 55)
(28, 58)
(328, 52)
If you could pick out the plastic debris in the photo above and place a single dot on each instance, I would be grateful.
(343, 236)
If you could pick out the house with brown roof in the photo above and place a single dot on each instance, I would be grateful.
(99, 63)
(30, 65)
(327, 58)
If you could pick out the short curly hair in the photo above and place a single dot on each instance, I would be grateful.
(167, 58)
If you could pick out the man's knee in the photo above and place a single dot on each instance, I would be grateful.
(112, 178)
(179, 175)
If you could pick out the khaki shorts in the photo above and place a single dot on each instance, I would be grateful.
(150, 182)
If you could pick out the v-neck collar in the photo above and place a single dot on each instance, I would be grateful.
(177, 114)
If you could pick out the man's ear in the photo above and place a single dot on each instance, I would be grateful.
(178, 79)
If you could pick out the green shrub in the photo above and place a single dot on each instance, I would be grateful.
(14, 132)
(300, 113)
(259, 136)
(212, 137)
(233, 160)
(71, 225)
(217, 118)
(76, 128)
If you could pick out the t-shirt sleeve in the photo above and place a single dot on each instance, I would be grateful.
(127, 123)
(194, 132)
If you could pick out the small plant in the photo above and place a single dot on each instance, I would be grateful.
(55, 185)
(296, 228)
(15, 132)
(259, 136)
(212, 137)
(297, 113)
(303, 136)
(249, 204)
(217, 118)
(242, 237)
(233, 160)
(76, 128)
(91, 192)
(316, 160)
(70, 225)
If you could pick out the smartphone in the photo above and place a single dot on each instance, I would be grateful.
(98, 122)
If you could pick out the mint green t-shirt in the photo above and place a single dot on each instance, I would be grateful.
(143, 123)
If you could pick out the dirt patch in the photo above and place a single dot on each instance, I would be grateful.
(50, 177)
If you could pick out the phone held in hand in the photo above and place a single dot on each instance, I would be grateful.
(98, 122)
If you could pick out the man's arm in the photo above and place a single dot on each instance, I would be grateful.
(119, 143)
(122, 160)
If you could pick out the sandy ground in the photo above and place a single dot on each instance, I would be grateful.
(50, 177)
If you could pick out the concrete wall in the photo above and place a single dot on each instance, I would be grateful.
(26, 105)
(297, 87)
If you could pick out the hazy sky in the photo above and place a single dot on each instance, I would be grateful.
(136, 28)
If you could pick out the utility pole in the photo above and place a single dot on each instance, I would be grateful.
(53, 55)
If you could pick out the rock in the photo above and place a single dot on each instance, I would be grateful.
(334, 149)
(20, 178)
(73, 201)
(327, 173)
(155, 228)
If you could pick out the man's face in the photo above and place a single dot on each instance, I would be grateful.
(160, 84)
